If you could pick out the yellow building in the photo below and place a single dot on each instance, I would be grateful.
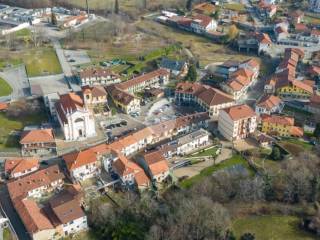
(295, 89)
(280, 126)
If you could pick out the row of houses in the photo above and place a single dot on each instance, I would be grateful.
(60, 216)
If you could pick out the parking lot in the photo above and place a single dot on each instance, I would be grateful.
(77, 57)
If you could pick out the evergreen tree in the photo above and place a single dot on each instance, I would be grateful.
(247, 236)
(275, 154)
(192, 74)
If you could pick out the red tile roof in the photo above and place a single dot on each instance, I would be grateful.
(156, 163)
(78, 159)
(44, 177)
(3, 106)
(37, 136)
(276, 119)
(97, 72)
(96, 91)
(240, 112)
(202, 20)
(19, 165)
(269, 101)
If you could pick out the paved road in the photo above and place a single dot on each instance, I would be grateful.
(18, 80)
(12, 214)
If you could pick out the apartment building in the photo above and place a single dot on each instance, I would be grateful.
(18, 167)
(209, 99)
(237, 122)
(97, 76)
(269, 104)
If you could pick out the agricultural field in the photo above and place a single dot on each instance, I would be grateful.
(271, 227)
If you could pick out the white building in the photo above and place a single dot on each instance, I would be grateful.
(82, 165)
(98, 76)
(237, 122)
(19, 167)
(76, 120)
(202, 23)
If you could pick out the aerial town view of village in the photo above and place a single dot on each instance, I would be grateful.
(159, 119)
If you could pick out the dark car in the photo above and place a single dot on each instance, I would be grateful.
(72, 60)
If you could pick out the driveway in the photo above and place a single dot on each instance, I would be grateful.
(15, 220)
(17, 78)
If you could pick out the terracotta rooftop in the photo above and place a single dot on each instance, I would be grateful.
(44, 177)
(269, 101)
(78, 159)
(156, 162)
(276, 119)
(96, 91)
(37, 136)
(33, 218)
(204, 7)
(202, 20)
(142, 78)
(240, 112)
(97, 72)
(120, 95)
(17, 165)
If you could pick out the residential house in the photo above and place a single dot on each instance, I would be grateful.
(82, 165)
(237, 122)
(313, 105)
(127, 102)
(280, 126)
(97, 76)
(281, 33)
(267, 10)
(38, 142)
(207, 98)
(297, 16)
(225, 69)
(253, 65)
(157, 78)
(37, 183)
(65, 209)
(18, 167)
(265, 140)
(202, 23)
(75, 118)
(186, 144)
(129, 172)
(269, 104)
(96, 99)
(175, 67)
(155, 165)
(258, 41)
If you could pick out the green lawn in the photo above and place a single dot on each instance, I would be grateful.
(41, 61)
(5, 88)
(23, 33)
(209, 170)
(207, 152)
(271, 227)
(8, 125)
(305, 145)
(9, 62)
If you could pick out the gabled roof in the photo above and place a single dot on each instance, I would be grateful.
(71, 101)
(44, 177)
(142, 78)
(269, 101)
(245, 72)
(277, 119)
(33, 218)
(253, 63)
(124, 167)
(96, 91)
(78, 159)
(120, 95)
(37, 136)
(240, 112)
(202, 20)
(97, 72)
(156, 162)
(17, 165)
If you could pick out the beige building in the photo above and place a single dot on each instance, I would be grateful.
(237, 122)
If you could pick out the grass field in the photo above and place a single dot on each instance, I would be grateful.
(8, 125)
(7, 234)
(5, 88)
(295, 146)
(207, 152)
(271, 227)
(41, 61)
(209, 170)
(38, 61)
(202, 48)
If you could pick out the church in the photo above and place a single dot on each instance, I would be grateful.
(76, 120)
